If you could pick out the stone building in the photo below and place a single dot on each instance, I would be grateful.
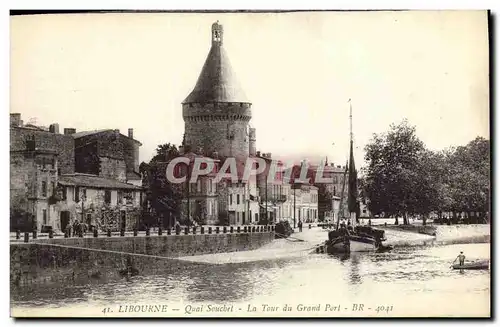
(104, 203)
(216, 115)
(200, 201)
(48, 139)
(272, 194)
(33, 185)
(43, 163)
(109, 154)
(337, 174)
(37, 156)
(217, 112)
(243, 205)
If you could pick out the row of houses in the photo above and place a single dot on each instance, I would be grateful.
(235, 202)
(58, 178)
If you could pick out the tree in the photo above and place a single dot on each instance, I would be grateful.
(163, 197)
(392, 179)
(164, 153)
(324, 200)
(469, 179)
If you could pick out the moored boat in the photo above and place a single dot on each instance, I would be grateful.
(361, 239)
(476, 265)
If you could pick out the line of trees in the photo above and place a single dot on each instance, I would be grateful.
(403, 178)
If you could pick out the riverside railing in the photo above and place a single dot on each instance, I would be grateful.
(180, 231)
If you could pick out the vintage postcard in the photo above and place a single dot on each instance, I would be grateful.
(250, 164)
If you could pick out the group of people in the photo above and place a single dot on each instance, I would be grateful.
(76, 228)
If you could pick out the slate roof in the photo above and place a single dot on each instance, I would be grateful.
(217, 81)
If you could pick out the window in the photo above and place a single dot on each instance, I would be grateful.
(256, 217)
(107, 196)
(230, 199)
(238, 217)
(44, 188)
(84, 193)
(64, 192)
(120, 197)
(44, 211)
(237, 199)
(53, 187)
(77, 194)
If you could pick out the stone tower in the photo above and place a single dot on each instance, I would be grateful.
(217, 113)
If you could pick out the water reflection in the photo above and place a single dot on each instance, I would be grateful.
(354, 275)
(398, 273)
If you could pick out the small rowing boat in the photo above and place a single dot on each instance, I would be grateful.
(484, 264)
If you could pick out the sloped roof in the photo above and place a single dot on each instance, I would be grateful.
(93, 181)
(98, 131)
(217, 81)
(132, 175)
(87, 133)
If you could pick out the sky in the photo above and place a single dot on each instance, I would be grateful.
(120, 71)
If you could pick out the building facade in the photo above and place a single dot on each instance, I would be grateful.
(108, 154)
(45, 166)
(102, 203)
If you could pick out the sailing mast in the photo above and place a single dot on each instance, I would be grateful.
(353, 187)
(341, 204)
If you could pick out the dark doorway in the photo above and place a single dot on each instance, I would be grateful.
(123, 220)
(64, 219)
(243, 215)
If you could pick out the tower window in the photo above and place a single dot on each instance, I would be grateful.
(44, 188)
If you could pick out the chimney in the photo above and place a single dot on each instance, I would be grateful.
(332, 164)
(269, 155)
(54, 128)
(338, 166)
(15, 120)
(69, 131)
(131, 133)
(181, 149)
(258, 153)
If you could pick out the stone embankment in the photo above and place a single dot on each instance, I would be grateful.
(44, 261)
(410, 235)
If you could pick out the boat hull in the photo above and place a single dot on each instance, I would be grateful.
(355, 244)
(473, 266)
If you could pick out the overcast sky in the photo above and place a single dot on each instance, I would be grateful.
(97, 71)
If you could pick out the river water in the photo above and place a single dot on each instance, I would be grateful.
(411, 281)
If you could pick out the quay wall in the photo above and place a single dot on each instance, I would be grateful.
(84, 260)
(411, 235)
(168, 245)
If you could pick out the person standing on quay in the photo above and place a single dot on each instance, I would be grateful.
(300, 226)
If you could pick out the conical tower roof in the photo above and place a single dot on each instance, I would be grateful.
(217, 81)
